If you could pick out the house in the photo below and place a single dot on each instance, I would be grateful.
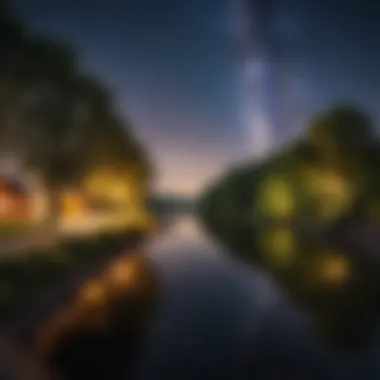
(15, 202)
(72, 203)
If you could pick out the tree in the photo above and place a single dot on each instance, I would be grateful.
(340, 135)
(12, 31)
(302, 222)
(57, 119)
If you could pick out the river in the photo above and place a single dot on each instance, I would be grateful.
(211, 308)
(219, 319)
(216, 313)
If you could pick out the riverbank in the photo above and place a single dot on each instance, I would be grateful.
(34, 285)
(24, 239)
(37, 286)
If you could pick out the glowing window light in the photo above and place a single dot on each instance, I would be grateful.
(93, 293)
(118, 191)
(72, 203)
(109, 184)
(335, 269)
(277, 198)
(123, 273)
(280, 247)
(332, 192)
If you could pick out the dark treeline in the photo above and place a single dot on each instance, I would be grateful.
(309, 215)
(60, 123)
(56, 118)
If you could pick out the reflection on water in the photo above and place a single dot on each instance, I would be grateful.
(210, 306)
(98, 333)
(183, 235)
(184, 246)
(212, 314)
(214, 308)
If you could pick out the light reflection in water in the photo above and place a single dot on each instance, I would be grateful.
(185, 253)
(207, 300)
(93, 293)
(122, 274)
(183, 235)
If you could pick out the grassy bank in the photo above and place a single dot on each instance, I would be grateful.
(24, 276)
(17, 229)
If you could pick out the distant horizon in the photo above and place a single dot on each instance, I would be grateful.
(173, 196)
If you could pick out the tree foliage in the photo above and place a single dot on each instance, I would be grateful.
(55, 117)
(295, 216)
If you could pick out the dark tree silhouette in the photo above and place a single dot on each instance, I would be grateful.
(308, 216)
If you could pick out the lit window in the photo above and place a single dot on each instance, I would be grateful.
(335, 269)
(277, 198)
(330, 191)
(93, 293)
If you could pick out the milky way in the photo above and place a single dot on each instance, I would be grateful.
(263, 74)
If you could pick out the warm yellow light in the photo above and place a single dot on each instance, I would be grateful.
(118, 191)
(72, 203)
(335, 269)
(280, 245)
(332, 192)
(277, 198)
(111, 184)
(93, 293)
(335, 186)
(123, 273)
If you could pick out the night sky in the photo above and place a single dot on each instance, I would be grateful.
(175, 67)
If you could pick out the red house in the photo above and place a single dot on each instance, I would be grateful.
(14, 201)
